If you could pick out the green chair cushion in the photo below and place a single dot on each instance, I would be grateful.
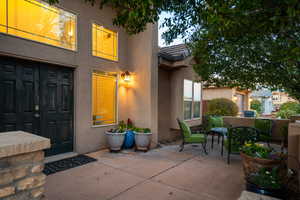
(195, 138)
(185, 129)
(215, 121)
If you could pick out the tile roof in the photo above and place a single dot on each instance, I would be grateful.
(174, 53)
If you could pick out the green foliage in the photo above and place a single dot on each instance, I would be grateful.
(222, 107)
(122, 127)
(132, 15)
(266, 178)
(291, 106)
(141, 130)
(256, 150)
(288, 109)
(237, 43)
(256, 105)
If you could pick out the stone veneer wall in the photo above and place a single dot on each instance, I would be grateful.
(21, 166)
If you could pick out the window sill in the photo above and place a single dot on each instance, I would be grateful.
(105, 125)
(194, 119)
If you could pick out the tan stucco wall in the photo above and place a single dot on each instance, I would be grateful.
(136, 53)
(294, 145)
(164, 98)
(249, 121)
(171, 100)
(213, 93)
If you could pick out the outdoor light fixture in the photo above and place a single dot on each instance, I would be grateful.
(235, 98)
(126, 76)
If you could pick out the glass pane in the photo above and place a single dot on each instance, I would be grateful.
(188, 90)
(197, 91)
(105, 43)
(104, 99)
(37, 20)
(197, 108)
(187, 109)
(3, 16)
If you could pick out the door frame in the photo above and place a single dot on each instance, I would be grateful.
(75, 86)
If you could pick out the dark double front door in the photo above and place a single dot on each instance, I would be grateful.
(37, 98)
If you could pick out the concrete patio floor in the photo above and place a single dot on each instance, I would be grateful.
(159, 174)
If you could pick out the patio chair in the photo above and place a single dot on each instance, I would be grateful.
(217, 127)
(265, 127)
(237, 136)
(191, 138)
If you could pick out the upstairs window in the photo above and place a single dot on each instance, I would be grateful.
(38, 21)
(105, 43)
(192, 100)
(104, 98)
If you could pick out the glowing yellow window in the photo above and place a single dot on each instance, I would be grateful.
(104, 96)
(105, 43)
(38, 21)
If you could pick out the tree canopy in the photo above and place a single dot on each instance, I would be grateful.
(236, 43)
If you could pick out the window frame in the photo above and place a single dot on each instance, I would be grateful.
(117, 98)
(107, 27)
(50, 45)
(192, 118)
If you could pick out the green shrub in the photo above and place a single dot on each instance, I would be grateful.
(291, 106)
(222, 107)
(288, 109)
(257, 106)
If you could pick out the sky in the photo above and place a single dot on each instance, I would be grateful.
(161, 42)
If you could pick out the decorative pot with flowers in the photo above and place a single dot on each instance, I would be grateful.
(267, 182)
(265, 169)
(115, 137)
(143, 137)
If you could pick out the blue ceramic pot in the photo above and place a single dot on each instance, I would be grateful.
(129, 140)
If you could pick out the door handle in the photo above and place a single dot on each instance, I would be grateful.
(36, 115)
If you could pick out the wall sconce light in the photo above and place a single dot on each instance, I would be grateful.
(235, 98)
(250, 99)
(126, 76)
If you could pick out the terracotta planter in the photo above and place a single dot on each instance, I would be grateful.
(115, 140)
(253, 165)
(142, 141)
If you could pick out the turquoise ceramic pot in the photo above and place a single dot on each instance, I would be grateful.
(129, 140)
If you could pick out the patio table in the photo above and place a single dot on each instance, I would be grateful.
(220, 132)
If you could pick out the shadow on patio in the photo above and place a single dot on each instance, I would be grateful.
(159, 174)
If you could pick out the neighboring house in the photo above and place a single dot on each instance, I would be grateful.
(60, 72)
(179, 92)
(240, 97)
(265, 97)
(279, 98)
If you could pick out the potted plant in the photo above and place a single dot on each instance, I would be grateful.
(267, 182)
(143, 138)
(129, 136)
(265, 169)
(115, 137)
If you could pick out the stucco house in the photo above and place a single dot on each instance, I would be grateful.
(179, 91)
(240, 97)
(60, 70)
(279, 98)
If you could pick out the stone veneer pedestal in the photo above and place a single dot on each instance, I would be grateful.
(21, 165)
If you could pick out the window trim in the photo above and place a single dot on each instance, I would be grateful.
(117, 99)
(118, 41)
(192, 111)
(50, 45)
